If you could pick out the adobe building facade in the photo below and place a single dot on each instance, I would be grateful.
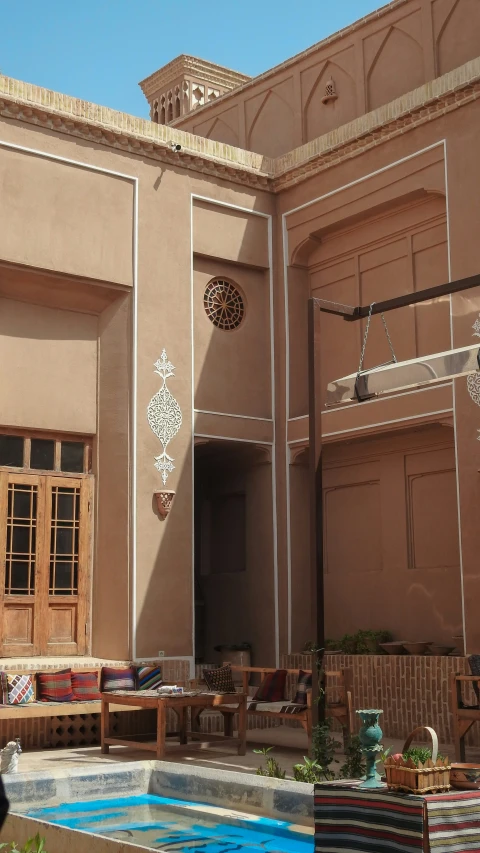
(154, 278)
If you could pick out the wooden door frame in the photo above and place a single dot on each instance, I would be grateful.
(41, 599)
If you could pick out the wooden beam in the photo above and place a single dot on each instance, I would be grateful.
(348, 313)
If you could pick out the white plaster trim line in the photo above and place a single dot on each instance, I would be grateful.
(287, 414)
(233, 438)
(134, 419)
(79, 164)
(268, 217)
(192, 438)
(455, 437)
(229, 415)
(365, 177)
(287, 341)
(372, 426)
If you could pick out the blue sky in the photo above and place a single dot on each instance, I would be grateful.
(98, 50)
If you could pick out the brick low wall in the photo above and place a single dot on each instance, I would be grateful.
(411, 690)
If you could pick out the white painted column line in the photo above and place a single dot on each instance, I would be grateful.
(454, 384)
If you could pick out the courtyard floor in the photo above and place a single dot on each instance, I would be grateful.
(290, 746)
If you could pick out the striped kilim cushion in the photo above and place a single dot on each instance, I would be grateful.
(118, 679)
(355, 821)
(20, 689)
(304, 683)
(55, 686)
(149, 677)
(272, 688)
(85, 686)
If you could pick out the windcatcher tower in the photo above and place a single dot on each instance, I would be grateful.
(185, 84)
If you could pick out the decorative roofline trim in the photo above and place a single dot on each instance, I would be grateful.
(41, 107)
(45, 108)
(453, 89)
(192, 65)
(331, 39)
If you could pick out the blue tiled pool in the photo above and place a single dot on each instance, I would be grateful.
(160, 823)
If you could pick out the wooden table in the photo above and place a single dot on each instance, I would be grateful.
(227, 703)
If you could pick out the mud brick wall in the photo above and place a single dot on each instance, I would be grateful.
(411, 690)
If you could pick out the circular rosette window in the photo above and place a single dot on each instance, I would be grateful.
(224, 304)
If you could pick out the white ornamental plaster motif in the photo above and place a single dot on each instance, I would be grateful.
(473, 379)
(164, 416)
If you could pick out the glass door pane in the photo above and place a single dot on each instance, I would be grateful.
(22, 528)
(20, 553)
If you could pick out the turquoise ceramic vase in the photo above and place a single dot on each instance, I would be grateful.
(370, 736)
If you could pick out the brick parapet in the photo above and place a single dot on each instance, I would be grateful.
(412, 690)
(44, 108)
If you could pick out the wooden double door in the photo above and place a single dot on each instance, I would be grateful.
(45, 553)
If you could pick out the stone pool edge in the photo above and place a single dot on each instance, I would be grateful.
(275, 798)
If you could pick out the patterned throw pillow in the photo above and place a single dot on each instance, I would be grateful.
(304, 683)
(20, 689)
(118, 679)
(55, 686)
(220, 680)
(85, 686)
(272, 688)
(149, 677)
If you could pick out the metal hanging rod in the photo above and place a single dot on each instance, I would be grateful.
(349, 313)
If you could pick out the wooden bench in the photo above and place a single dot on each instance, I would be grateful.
(14, 719)
(338, 705)
(463, 717)
(51, 709)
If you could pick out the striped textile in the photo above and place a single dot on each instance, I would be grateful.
(272, 688)
(85, 686)
(351, 820)
(304, 683)
(118, 679)
(149, 677)
(55, 686)
(454, 822)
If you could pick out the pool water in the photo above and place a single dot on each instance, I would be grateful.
(161, 823)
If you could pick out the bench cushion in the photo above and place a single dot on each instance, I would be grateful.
(304, 683)
(283, 707)
(20, 689)
(149, 677)
(272, 688)
(55, 686)
(85, 686)
(118, 679)
(220, 680)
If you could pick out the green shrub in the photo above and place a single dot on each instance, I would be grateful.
(311, 771)
(272, 768)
